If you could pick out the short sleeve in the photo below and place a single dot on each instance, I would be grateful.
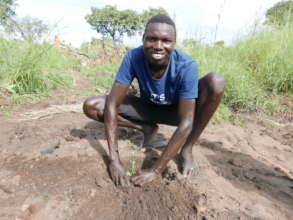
(125, 73)
(189, 81)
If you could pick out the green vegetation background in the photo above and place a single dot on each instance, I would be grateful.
(258, 68)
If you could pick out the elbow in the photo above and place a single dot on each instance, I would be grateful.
(110, 111)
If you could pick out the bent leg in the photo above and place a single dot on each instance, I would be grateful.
(211, 90)
(93, 108)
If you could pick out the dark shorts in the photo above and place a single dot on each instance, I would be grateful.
(134, 109)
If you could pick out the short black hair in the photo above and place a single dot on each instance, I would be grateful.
(161, 18)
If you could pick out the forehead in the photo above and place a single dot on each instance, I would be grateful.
(161, 29)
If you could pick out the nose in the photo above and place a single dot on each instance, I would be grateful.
(158, 45)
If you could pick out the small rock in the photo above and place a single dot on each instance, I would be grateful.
(199, 208)
(69, 138)
(93, 192)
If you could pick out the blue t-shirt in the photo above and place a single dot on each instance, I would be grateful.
(180, 79)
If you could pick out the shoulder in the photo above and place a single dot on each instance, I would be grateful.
(183, 60)
(135, 54)
(181, 56)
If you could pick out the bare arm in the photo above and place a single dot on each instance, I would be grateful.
(115, 98)
(186, 116)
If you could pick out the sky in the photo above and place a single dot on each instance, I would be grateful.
(206, 20)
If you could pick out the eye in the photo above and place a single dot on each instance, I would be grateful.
(151, 39)
(167, 41)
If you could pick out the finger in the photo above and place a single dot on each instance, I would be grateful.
(144, 181)
(127, 183)
(121, 181)
(190, 172)
(137, 180)
(185, 172)
(111, 175)
(134, 179)
(113, 178)
(116, 180)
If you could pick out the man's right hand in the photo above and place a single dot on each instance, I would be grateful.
(117, 173)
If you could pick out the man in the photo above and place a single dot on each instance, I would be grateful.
(170, 93)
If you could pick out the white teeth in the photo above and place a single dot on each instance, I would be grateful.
(157, 56)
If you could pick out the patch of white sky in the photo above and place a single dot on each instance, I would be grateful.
(207, 20)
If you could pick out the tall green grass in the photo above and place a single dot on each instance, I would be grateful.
(28, 68)
(101, 75)
(256, 68)
(268, 56)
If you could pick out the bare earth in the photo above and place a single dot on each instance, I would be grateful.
(53, 167)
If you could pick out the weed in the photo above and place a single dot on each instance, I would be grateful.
(133, 164)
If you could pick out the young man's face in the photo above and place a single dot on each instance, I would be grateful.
(158, 42)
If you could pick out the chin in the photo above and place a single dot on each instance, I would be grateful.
(163, 62)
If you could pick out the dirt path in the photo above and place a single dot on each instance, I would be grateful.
(53, 166)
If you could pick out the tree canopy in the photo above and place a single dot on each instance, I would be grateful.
(27, 28)
(111, 22)
(280, 14)
(7, 10)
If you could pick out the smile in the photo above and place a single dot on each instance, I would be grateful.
(157, 56)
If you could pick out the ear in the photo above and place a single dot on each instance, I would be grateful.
(143, 37)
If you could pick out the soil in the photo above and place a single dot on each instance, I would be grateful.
(54, 167)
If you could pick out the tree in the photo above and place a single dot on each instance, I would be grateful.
(111, 22)
(7, 10)
(280, 14)
(147, 14)
(27, 28)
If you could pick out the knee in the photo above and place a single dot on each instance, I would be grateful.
(93, 107)
(216, 83)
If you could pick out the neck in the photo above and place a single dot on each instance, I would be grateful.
(157, 71)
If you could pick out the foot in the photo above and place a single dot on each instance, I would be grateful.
(149, 134)
(189, 167)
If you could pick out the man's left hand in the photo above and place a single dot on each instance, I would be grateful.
(144, 177)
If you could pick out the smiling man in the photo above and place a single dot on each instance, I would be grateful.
(170, 93)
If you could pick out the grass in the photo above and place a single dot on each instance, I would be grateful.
(104, 63)
(242, 92)
(101, 75)
(28, 68)
(268, 56)
(257, 69)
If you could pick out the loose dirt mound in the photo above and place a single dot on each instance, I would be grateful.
(54, 166)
